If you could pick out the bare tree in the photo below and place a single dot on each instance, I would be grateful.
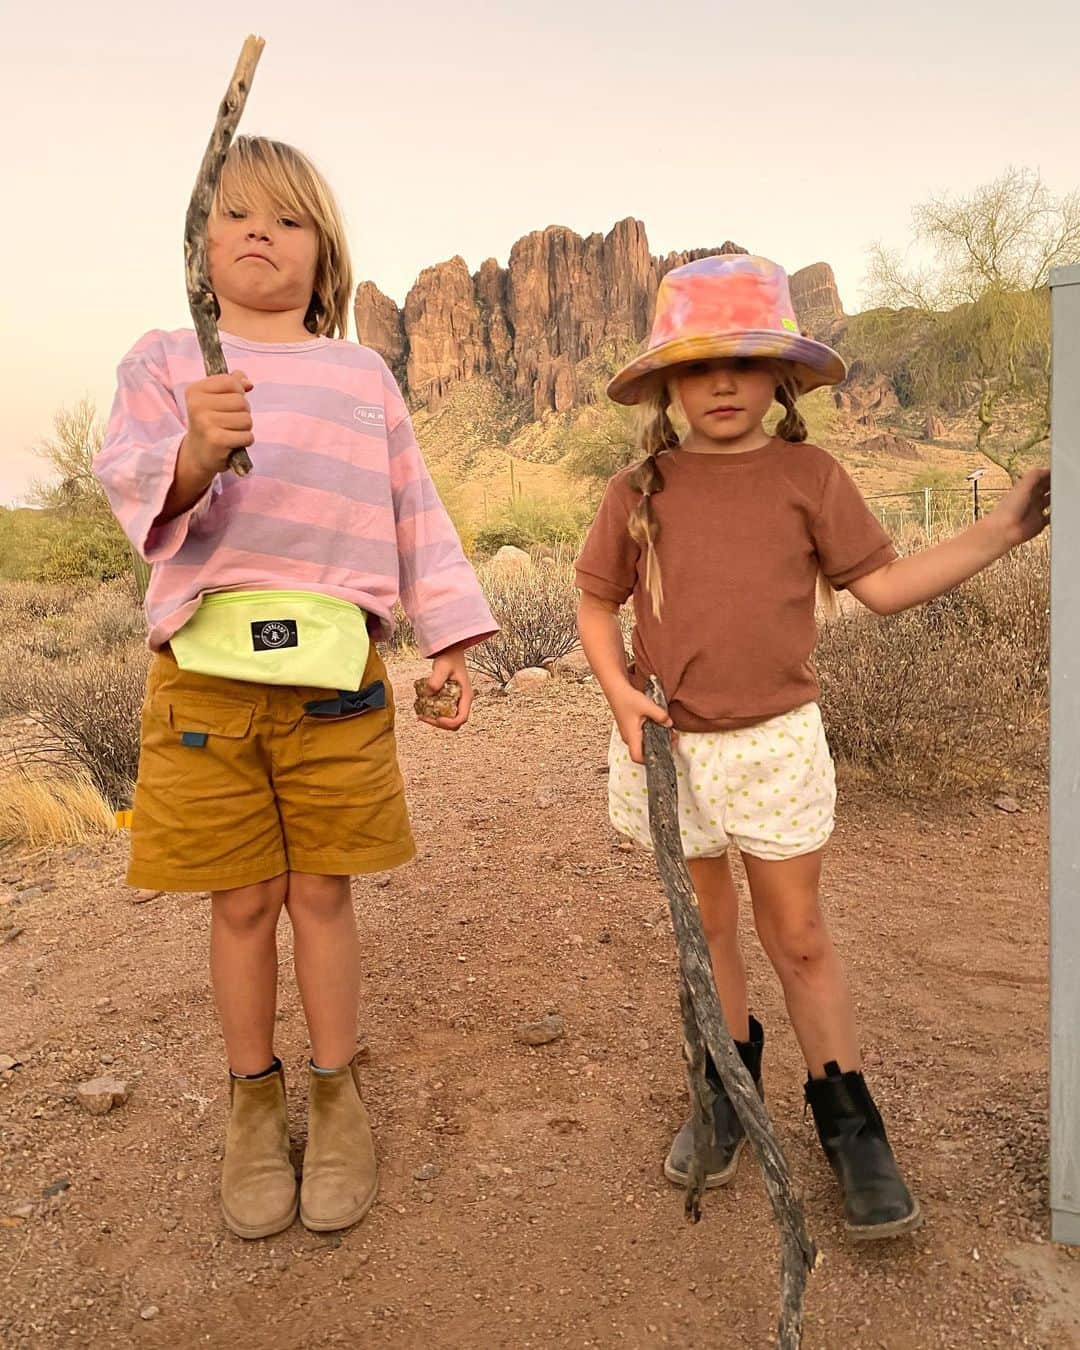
(71, 487)
(69, 453)
(976, 332)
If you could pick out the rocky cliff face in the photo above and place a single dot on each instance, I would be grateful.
(531, 327)
(817, 301)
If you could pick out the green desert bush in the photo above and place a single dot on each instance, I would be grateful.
(532, 522)
(85, 550)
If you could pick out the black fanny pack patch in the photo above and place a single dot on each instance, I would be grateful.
(272, 635)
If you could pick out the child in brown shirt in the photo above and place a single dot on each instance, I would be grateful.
(721, 538)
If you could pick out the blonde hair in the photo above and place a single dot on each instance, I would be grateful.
(257, 167)
(656, 435)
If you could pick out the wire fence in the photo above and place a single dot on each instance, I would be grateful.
(934, 511)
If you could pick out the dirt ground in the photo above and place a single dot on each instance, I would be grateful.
(546, 1222)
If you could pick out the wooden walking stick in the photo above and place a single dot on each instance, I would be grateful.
(703, 1026)
(200, 296)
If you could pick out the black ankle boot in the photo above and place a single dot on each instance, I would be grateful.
(722, 1159)
(877, 1203)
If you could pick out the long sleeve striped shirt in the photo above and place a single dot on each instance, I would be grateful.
(339, 501)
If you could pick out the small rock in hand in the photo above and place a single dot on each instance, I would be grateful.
(442, 704)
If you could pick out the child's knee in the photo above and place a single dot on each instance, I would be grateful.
(249, 908)
(798, 944)
(320, 898)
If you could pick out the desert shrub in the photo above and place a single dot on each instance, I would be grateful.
(952, 694)
(107, 618)
(26, 537)
(535, 607)
(85, 713)
(53, 622)
(91, 550)
(531, 522)
(24, 604)
(599, 441)
(403, 641)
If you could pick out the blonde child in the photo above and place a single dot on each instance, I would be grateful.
(268, 771)
(720, 537)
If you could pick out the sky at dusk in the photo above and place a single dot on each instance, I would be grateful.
(801, 132)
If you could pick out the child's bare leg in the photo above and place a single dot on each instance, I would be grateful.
(718, 902)
(787, 913)
(327, 955)
(244, 970)
(877, 1202)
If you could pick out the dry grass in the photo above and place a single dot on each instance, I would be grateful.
(44, 812)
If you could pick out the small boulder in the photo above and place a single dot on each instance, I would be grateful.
(511, 559)
(100, 1095)
(533, 677)
(573, 666)
(1008, 804)
(548, 1029)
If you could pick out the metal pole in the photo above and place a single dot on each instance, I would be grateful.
(1065, 765)
(926, 510)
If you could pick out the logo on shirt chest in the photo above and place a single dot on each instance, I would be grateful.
(369, 415)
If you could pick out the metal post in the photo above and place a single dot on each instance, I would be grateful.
(926, 511)
(1065, 765)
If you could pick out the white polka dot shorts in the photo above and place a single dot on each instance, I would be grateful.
(769, 789)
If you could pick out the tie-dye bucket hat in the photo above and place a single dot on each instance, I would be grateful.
(731, 304)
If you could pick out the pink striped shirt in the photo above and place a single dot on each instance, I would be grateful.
(339, 501)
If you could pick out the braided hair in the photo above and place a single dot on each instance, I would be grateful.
(656, 435)
(792, 426)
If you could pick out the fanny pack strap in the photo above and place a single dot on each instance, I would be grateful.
(349, 701)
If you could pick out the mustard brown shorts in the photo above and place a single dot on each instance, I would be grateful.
(238, 783)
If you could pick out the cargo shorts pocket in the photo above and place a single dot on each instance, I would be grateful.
(196, 741)
(351, 756)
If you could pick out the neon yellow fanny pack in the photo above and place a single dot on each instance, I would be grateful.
(276, 637)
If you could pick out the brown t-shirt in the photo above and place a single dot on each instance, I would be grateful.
(741, 540)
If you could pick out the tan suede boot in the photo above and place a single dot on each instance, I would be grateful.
(340, 1174)
(258, 1184)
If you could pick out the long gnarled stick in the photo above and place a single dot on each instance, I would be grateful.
(703, 1025)
(200, 296)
